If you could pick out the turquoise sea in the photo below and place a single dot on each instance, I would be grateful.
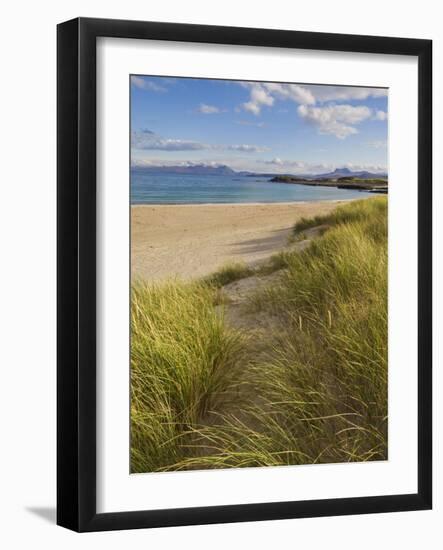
(162, 188)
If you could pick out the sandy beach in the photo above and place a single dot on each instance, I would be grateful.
(191, 241)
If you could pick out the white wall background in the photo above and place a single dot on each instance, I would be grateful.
(27, 274)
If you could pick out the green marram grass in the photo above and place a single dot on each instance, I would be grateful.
(202, 397)
(182, 359)
(228, 274)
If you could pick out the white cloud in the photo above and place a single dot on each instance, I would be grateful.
(293, 92)
(338, 120)
(155, 163)
(208, 109)
(377, 168)
(265, 93)
(344, 93)
(160, 144)
(149, 141)
(259, 98)
(380, 115)
(277, 161)
(244, 148)
(297, 166)
(252, 107)
(139, 163)
(148, 85)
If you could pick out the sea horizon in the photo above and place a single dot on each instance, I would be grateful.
(177, 189)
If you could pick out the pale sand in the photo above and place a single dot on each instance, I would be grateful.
(190, 241)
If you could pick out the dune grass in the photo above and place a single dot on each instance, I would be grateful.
(228, 274)
(325, 382)
(319, 391)
(364, 210)
(182, 359)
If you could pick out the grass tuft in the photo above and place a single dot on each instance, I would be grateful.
(228, 274)
(182, 359)
(353, 211)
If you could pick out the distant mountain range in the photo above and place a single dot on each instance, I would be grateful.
(345, 172)
(224, 170)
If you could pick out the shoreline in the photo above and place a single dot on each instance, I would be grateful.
(286, 203)
(194, 240)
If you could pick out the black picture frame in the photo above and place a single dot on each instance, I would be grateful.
(76, 281)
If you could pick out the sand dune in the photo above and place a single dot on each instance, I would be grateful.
(190, 241)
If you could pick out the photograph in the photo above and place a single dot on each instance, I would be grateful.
(259, 269)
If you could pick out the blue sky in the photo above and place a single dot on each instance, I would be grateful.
(257, 126)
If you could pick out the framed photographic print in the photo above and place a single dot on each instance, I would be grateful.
(244, 274)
